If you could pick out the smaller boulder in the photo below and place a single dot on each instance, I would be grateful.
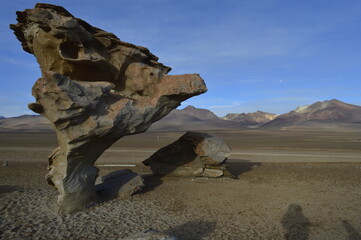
(194, 154)
(121, 183)
(212, 173)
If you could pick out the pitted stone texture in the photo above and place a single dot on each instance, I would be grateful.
(94, 89)
(194, 154)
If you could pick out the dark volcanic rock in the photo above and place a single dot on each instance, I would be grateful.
(194, 154)
(94, 90)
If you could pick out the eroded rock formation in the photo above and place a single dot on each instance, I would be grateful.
(194, 154)
(94, 89)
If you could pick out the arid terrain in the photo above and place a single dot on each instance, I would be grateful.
(284, 167)
(291, 185)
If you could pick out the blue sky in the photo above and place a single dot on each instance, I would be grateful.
(270, 55)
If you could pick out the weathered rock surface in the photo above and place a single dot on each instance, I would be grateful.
(121, 183)
(94, 89)
(151, 234)
(194, 154)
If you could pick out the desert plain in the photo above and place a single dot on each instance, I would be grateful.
(294, 184)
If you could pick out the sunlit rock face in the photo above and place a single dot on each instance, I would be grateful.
(94, 89)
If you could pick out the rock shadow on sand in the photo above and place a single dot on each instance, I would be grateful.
(4, 189)
(121, 183)
(352, 233)
(296, 225)
(236, 169)
(240, 166)
(151, 182)
(192, 230)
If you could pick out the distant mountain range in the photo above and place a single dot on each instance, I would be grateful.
(329, 114)
(326, 114)
(191, 118)
(25, 123)
(251, 119)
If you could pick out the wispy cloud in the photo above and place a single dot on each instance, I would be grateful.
(224, 106)
(253, 55)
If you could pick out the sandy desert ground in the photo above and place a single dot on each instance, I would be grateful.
(291, 185)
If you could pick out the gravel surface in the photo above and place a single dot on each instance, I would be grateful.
(268, 201)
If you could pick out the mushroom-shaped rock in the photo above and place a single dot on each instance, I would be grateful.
(194, 154)
(94, 89)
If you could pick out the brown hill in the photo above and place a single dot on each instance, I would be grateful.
(25, 123)
(251, 119)
(326, 114)
(191, 118)
(331, 114)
